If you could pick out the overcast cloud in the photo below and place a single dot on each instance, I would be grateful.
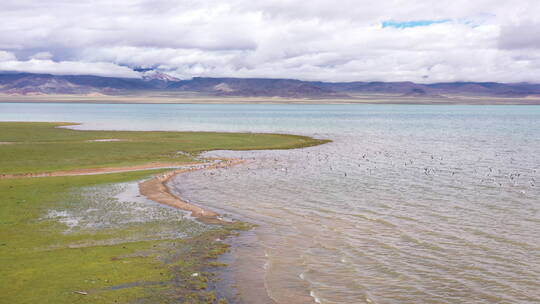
(338, 40)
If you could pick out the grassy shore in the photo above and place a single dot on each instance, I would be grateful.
(42, 147)
(46, 258)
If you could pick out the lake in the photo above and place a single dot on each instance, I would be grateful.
(407, 204)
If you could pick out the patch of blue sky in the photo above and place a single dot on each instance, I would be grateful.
(412, 23)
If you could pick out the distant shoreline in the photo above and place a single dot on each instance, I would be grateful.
(359, 99)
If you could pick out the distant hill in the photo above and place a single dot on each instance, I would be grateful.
(27, 83)
(35, 84)
(255, 87)
(450, 88)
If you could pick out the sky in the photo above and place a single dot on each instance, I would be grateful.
(339, 40)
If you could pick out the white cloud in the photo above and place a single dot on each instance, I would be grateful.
(6, 56)
(68, 68)
(341, 40)
(42, 56)
(523, 35)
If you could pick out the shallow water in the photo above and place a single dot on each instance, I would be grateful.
(408, 204)
(121, 206)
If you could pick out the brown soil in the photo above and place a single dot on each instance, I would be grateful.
(106, 140)
(92, 171)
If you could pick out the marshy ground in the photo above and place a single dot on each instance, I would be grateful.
(93, 238)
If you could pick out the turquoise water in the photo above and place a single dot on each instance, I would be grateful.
(408, 204)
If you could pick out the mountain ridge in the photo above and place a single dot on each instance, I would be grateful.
(12, 83)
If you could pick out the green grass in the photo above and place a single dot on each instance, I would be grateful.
(43, 264)
(42, 261)
(43, 147)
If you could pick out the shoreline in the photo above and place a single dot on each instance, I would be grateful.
(182, 257)
(367, 98)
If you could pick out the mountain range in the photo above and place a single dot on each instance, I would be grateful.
(154, 81)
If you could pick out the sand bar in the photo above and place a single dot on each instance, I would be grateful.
(157, 190)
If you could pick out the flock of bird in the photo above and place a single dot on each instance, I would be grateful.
(347, 164)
